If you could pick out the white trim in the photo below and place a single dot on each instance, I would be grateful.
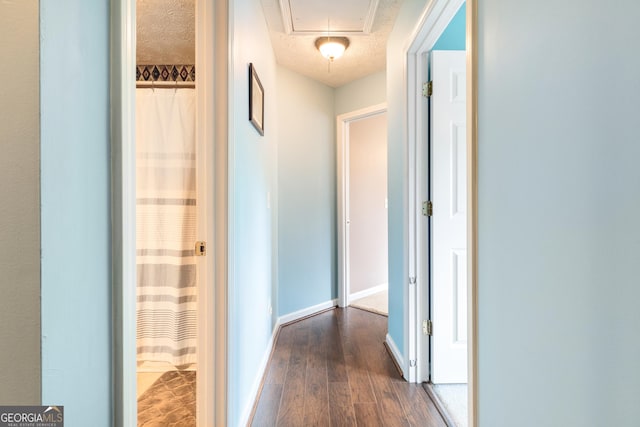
(472, 207)
(436, 16)
(123, 210)
(287, 24)
(285, 10)
(257, 381)
(395, 353)
(205, 127)
(370, 291)
(297, 315)
(230, 286)
(221, 116)
(371, 16)
(342, 183)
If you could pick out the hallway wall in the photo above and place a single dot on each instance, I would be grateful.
(306, 193)
(75, 196)
(306, 183)
(403, 29)
(20, 203)
(563, 344)
(252, 183)
(365, 92)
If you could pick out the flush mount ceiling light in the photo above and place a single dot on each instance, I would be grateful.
(332, 47)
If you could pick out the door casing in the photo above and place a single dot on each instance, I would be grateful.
(436, 17)
(211, 139)
(342, 170)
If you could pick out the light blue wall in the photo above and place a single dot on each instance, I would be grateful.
(454, 36)
(306, 193)
(252, 177)
(559, 201)
(399, 38)
(75, 168)
(365, 92)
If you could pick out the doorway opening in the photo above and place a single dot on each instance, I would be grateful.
(362, 209)
(441, 331)
(145, 254)
(167, 213)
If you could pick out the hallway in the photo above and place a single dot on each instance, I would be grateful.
(333, 369)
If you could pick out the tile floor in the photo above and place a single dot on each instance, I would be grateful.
(170, 401)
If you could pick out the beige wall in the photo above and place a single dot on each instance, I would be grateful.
(367, 195)
(19, 203)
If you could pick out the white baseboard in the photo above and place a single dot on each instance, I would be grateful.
(395, 353)
(367, 292)
(257, 382)
(292, 317)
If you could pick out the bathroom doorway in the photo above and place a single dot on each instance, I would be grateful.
(169, 213)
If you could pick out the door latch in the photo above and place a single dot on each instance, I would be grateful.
(201, 248)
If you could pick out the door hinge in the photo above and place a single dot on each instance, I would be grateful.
(427, 327)
(412, 363)
(201, 248)
(427, 89)
(412, 280)
(427, 208)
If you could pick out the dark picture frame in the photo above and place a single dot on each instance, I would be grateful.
(256, 100)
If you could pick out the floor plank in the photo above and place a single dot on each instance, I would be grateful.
(340, 405)
(267, 411)
(280, 359)
(367, 415)
(390, 410)
(418, 406)
(360, 382)
(333, 369)
(316, 405)
(291, 411)
(336, 365)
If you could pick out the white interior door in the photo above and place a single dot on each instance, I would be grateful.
(449, 221)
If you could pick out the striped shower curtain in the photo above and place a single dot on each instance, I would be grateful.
(166, 225)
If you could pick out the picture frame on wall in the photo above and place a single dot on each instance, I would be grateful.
(256, 100)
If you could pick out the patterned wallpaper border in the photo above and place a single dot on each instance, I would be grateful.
(165, 73)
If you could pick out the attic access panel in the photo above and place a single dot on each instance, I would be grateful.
(306, 17)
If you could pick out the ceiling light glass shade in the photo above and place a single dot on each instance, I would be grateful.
(332, 47)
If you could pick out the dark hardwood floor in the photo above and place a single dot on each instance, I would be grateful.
(333, 369)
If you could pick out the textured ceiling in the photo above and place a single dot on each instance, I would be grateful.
(307, 17)
(165, 31)
(166, 34)
(296, 51)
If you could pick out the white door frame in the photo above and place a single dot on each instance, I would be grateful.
(343, 122)
(211, 131)
(436, 16)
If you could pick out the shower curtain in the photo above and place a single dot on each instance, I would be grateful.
(166, 225)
